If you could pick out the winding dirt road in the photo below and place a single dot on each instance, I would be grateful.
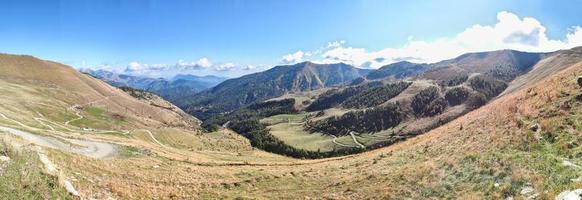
(356, 141)
(152, 136)
(340, 144)
(93, 149)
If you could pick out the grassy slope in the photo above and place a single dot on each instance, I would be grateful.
(23, 178)
(494, 145)
(33, 88)
(289, 128)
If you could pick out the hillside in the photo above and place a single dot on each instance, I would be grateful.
(238, 92)
(521, 144)
(378, 113)
(510, 63)
(503, 64)
(398, 70)
(49, 111)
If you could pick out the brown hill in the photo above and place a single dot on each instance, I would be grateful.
(59, 85)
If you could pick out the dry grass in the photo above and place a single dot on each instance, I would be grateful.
(300, 97)
(22, 177)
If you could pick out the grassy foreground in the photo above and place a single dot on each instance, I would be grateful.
(23, 178)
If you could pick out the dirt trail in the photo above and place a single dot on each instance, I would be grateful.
(152, 136)
(356, 141)
(79, 116)
(93, 149)
(338, 143)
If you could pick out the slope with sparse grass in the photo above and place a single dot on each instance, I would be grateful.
(22, 176)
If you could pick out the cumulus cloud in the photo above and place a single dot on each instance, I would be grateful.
(225, 67)
(137, 67)
(202, 66)
(133, 66)
(509, 32)
(202, 63)
(249, 67)
(300, 55)
(293, 57)
(336, 43)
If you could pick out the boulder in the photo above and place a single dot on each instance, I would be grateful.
(570, 195)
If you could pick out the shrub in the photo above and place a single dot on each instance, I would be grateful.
(428, 102)
(337, 96)
(457, 96)
(488, 86)
(371, 120)
(375, 96)
(454, 81)
(476, 100)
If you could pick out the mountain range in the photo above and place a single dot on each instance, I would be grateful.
(239, 92)
(172, 89)
(371, 110)
(235, 93)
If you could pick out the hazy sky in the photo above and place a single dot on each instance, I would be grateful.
(234, 37)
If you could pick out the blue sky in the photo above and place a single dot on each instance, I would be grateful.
(236, 37)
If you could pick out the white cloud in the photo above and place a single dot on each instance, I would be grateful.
(202, 66)
(336, 43)
(293, 58)
(202, 63)
(510, 32)
(225, 67)
(249, 67)
(133, 66)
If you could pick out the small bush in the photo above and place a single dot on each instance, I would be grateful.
(488, 86)
(454, 81)
(476, 100)
(457, 96)
(428, 102)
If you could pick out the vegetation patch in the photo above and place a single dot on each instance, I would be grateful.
(454, 81)
(457, 96)
(23, 178)
(366, 121)
(428, 102)
(289, 128)
(131, 151)
(338, 96)
(488, 86)
(98, 118)
(375, 96)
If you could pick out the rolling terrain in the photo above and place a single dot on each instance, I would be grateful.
(521, 144)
